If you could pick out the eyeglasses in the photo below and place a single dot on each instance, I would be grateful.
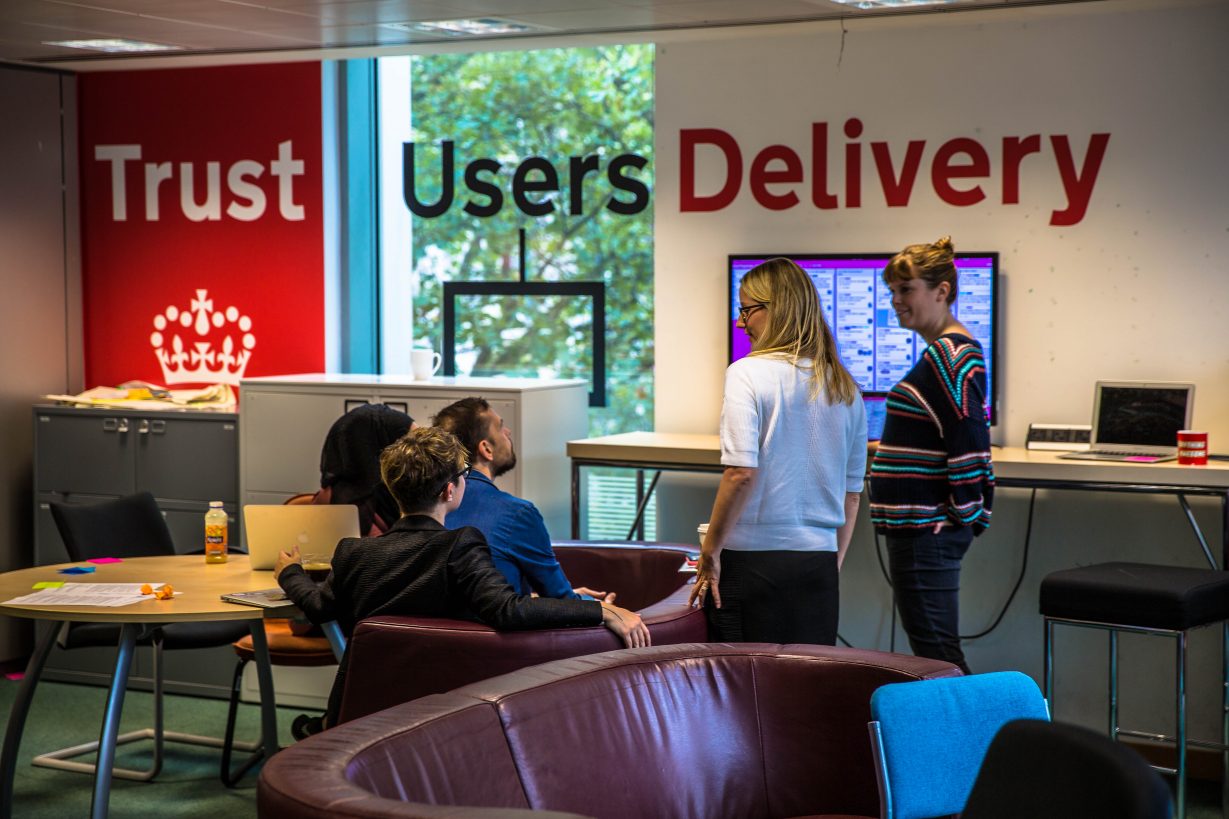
(455, 479)
(748, 309)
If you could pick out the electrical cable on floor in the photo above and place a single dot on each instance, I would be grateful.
(887, 579)
(1028, 535)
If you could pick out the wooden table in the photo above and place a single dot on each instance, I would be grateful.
(201, 585)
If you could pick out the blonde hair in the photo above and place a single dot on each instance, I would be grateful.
(934, 264)
(795, 326)
(418, 465)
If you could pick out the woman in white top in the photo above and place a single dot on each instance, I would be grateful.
(793, 443)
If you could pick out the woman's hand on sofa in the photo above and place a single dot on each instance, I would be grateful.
(627, 625)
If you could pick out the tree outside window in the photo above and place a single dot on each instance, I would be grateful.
(591, 103)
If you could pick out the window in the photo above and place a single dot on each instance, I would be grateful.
(554, 146)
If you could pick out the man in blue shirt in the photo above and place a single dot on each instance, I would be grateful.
(520, 544)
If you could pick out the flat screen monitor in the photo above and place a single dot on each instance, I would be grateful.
(858, 308)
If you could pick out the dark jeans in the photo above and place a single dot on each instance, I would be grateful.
(776, 597)
(926, 583)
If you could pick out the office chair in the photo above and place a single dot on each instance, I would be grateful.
(130, 527)
(1059, 771)
(928, 738)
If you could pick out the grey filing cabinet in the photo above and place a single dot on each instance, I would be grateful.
(184, 458)
(285, 419)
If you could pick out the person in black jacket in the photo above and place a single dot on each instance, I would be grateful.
(420, 568)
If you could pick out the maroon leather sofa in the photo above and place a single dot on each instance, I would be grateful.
(397, 659)
(704, 731)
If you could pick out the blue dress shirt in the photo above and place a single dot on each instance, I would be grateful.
(520, 544)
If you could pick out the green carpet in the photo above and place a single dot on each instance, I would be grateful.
(189, 784)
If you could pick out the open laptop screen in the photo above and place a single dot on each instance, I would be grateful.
(1141, 416)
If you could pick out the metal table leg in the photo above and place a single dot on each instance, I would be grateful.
(575, 499)
(45, 639)
(110, 721)
(264, 677)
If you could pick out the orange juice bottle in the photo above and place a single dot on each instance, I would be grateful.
(215, 533)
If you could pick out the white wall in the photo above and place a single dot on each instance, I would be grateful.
(40, 272)
(1134, 290)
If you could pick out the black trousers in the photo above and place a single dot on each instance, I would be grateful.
(776, 597)
(925, 574)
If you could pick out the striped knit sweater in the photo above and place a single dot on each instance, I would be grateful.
(933, 463)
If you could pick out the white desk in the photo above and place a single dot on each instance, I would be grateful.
(1034, 469)
(201, 584)
(1013, 467)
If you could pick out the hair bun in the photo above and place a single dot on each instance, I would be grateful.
(945, 243)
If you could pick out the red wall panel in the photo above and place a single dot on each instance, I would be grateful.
(202, 223)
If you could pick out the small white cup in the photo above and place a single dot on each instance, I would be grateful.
(424, 363)
(702, 531)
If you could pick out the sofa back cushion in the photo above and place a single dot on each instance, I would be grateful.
(665, 740)
(813, 712)
(457, 758)
(639, 575)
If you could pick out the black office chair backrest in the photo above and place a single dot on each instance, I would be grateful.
(126, 527)
(1035, 768)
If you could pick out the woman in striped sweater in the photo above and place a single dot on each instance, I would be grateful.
(932, 481)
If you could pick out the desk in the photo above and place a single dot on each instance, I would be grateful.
(1013, 467)
(1037, 469)
(657, 451)
(201, 585)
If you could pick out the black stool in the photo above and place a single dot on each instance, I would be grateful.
(1144, 599)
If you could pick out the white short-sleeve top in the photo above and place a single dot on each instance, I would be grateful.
(807, 454)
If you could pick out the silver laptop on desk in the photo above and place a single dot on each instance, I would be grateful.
(1138, 421)
(315, 529)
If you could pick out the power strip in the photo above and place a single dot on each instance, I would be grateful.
(1060, 437)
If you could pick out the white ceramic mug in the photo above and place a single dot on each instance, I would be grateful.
(424, 363)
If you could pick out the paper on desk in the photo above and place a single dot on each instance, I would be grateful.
(86, 594)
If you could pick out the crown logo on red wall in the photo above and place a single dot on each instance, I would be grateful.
(207, 351)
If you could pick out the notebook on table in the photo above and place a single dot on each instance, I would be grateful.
(1138, 421)
(316, 529)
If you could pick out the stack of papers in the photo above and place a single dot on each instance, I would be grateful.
(145, 396)
(87, 594)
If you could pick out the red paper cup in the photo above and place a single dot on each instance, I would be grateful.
(1192, 447)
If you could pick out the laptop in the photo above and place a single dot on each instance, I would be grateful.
(1138, 421)
(316, 528)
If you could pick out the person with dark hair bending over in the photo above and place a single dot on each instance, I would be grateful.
(932, 482)
(420, 568)
(793, 443)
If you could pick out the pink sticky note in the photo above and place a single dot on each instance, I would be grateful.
(15, 676)
(104, 560)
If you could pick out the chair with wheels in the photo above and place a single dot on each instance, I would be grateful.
(1143, 598)
(129, 527)
(928, 738)
(1058, 771)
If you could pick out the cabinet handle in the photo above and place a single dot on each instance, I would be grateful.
(143, 427)
(351, 403)
(110, 424)
(122, 426)
(158, 427)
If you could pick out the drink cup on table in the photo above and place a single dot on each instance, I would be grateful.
(424, 363)
(1192, 447)
(317, 566)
